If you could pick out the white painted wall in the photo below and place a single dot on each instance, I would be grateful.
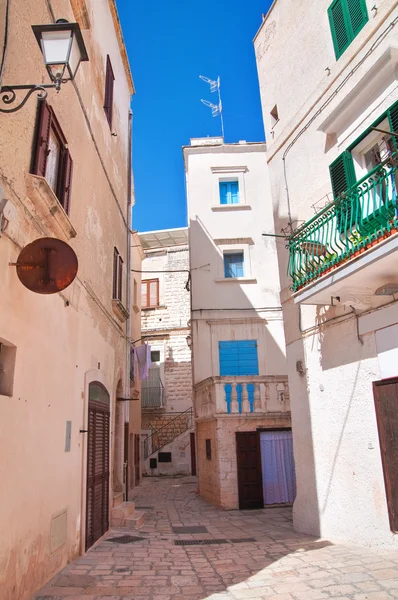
(227, 309)
(341, 491)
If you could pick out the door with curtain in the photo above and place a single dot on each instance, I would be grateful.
(277, 462)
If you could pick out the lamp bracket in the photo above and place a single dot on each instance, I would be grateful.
(8, 94)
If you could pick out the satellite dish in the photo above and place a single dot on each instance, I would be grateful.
(46, 266)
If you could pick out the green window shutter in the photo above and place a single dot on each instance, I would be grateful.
(358, 15)
(342, 175)
(392, 115)
(346, 17)
(339, 25)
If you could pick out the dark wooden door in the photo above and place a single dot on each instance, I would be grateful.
(250, 486)
(386, 403)
(97, 505)
(193, 454)
(126, 462)
(137, 458)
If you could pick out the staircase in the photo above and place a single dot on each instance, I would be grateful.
(123, 514)
(168, 432)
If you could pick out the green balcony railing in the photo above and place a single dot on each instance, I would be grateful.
(360, 217)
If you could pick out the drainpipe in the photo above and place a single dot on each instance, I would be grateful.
(128, 294)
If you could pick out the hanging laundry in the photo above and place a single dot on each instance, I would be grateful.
(143, 356)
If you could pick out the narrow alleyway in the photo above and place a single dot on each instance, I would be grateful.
(250, 554)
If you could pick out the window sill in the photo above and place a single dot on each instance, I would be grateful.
(222, 207)
(235, 280)
(119, 310)
(47, 207)
(145, 308)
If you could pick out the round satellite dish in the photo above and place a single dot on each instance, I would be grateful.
(47, 266)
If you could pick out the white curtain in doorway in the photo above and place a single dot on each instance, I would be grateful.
(279, 478)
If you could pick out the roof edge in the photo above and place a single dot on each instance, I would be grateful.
(265, 19)
(122, 45)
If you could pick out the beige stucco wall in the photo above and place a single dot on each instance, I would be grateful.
(66, 340)
(324, 105)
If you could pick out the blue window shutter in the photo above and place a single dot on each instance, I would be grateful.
(234, 192)
(223, 192)
(238, 357)
(233, 265)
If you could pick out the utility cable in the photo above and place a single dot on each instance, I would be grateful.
(5, 42)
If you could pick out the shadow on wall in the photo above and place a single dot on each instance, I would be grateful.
(207, 267)
(306, 515)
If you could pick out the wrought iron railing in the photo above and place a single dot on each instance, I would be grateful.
(168, 432)
(360, 217)
(152, 397)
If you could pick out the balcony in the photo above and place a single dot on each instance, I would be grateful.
(353, 225)
(242, 395)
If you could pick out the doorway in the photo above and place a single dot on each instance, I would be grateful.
(250, 485)
(97, 496)
(193, 453)
(278, 472)
(137, 458)
(386, 403)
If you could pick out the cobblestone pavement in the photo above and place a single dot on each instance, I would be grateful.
(278, 565)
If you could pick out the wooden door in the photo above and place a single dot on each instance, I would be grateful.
(386, 403)
(97, 497)
(193, 454)
(137, 458)
(250, 486)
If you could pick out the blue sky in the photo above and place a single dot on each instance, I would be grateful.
(169, 45)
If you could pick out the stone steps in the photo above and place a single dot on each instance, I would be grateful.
(125, 515)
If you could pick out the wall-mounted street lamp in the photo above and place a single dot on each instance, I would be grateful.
(189, 341)
(63, 50)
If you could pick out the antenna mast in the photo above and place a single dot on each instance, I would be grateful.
(216, 109)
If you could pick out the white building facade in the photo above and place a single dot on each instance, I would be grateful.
(328, 111)
(239, 369)
(166, 395)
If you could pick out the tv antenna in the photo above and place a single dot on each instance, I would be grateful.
(216, 109)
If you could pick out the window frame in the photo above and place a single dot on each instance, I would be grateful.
(46, 124)
(234, 253)
(147, 282)
(109, 89)
(225, 182)
(117, 280)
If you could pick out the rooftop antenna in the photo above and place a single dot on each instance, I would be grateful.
(216, 109)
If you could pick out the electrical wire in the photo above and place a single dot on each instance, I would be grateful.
(5, 43)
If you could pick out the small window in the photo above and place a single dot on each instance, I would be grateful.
(346, 18)
(52, 158)
(229, 192)
(117, 290)
(8, 354)
(208, 449)
(164, 457)
(135, 293)
(233, 265)
(155, 356)
(109, 82)
(274, 116)
(150, 293)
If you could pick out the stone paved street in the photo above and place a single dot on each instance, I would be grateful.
(278, 565)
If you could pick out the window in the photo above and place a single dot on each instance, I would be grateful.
(274, 116)
(346, 18)
(208, 449)
(117, 275)
(164, 457)
(155, 356)
(344, 172)
(233, 264)
(52, 158)
(109, 81)
(238, 357)
(229, 192)
(150, 293)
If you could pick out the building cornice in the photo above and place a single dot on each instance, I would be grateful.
(122, 46)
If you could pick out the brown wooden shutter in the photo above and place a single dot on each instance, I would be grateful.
(144, 294)
(115, 268)
(154, 292)
(386, 403)
(65, 180)
(120, 281)
(43, 136)
(108, 102)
